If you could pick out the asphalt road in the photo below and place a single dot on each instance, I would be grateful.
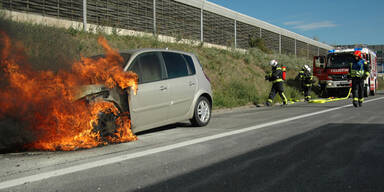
(302, 147)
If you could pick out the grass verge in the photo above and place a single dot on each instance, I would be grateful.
(237, 78)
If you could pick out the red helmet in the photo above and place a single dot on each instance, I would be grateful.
(357, 54)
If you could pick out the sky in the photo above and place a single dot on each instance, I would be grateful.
(335, 22)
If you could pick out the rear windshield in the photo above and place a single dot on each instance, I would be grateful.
(340, 60)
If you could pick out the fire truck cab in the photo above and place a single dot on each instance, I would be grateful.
(332, 71)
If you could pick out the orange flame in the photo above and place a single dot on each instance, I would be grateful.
(45, 100)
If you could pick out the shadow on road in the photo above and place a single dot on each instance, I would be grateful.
(334, 157)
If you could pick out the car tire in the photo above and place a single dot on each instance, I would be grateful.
(105, 124)
(202, 112)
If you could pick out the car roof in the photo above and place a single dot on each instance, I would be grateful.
(137, 51)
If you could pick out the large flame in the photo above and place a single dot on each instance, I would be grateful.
(45, 100)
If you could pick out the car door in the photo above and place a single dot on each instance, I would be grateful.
(182, 83)
(150, 106)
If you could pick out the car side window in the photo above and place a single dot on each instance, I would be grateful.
(135, 67)
(148, 67)
(191, 66)
(176, 65)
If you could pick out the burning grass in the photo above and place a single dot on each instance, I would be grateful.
(44, 101)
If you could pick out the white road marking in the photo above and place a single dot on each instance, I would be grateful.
(112, 160)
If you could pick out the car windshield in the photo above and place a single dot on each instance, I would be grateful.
(126, 57)
(340, 60)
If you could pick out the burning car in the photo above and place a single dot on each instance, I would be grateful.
(100, 99)
(172, 87)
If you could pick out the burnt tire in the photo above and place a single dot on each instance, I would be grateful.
(105, 124)
(202, 112)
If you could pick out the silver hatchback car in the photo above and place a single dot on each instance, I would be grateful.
(172, 87)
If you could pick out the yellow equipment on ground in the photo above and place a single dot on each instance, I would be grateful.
(330, 99)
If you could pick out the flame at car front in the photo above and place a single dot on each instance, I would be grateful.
(45, 101)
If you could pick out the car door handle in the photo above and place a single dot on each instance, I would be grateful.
(162, 88)
(191, 83)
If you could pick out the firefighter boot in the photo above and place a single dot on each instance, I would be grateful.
(361, 102)
(268, 103)
(355, 102)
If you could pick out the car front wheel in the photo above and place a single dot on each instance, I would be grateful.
(202, 112)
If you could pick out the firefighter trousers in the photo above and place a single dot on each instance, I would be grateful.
(277, 88)
(358, 89)
(307, 91)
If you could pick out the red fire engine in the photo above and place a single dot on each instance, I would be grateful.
(332, 71)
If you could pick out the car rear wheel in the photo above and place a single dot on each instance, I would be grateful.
(202, 112)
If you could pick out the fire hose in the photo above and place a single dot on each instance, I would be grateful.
(330, 99)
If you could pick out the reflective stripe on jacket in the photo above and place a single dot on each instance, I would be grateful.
(276, 75)
(357, 68)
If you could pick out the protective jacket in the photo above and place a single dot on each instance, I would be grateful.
(276, 75)
(306, 78)
(359, 68)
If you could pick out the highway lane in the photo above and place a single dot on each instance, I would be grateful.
(257, 149)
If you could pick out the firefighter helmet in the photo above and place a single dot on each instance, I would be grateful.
(306, 67)
(273, 63)
(357, 54)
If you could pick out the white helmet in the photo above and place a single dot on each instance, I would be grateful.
(307, 68)
(273, 63)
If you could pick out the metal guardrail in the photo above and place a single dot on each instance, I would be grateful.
(183, 19)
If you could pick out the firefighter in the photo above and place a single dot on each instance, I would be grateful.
(306, 81)
(276, 77)
(359, 71)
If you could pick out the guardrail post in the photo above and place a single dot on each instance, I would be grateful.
(85, 15)
(154, 18)
(235, 33)
(279, 43)
(202, 22)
